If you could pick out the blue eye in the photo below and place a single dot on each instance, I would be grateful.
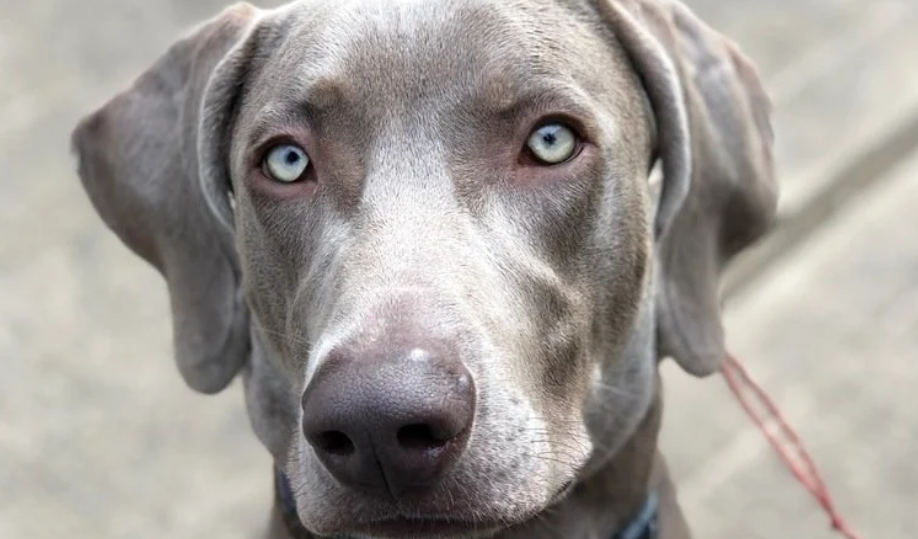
(286, 163)
(552, 143)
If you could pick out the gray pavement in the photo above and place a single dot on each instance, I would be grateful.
(99, 438)
(832, 333)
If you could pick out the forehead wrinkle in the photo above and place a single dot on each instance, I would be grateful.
(379, 58)
(416, 43)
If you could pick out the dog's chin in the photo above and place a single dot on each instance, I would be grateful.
(441, 527)
(434, 528)
(401, 527)
(459, 521)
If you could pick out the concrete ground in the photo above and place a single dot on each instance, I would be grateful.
(99, 438)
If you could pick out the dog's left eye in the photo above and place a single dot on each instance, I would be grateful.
(286, 163)
(552, 143)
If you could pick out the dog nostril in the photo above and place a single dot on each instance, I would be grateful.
(335, 442)
(421, 437)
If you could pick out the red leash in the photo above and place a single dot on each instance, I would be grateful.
(783, 439)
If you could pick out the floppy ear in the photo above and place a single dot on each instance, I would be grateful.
(152, 160)
(714, 138)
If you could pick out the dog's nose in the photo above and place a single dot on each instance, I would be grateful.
(389, 425)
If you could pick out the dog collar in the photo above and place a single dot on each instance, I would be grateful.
(642, 526)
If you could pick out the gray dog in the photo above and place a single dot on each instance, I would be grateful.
(445, 243)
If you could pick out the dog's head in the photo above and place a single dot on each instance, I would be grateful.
(426, 233)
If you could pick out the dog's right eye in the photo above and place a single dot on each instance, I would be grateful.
(286, 163)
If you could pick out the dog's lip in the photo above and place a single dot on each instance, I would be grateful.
(563, 492)
(445, 525)
(405, 527)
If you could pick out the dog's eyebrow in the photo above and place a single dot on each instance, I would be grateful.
(543, 98)
(509, 91)
(317, 98)
(274, 121)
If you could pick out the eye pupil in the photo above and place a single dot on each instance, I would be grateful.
(292, 157)
(549, 138)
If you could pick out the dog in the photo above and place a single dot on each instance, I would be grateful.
(445, 245)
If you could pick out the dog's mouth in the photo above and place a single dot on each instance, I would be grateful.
(422, 528)
(426, 527)
(563, 492)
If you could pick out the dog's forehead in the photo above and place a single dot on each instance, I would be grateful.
(439, 48)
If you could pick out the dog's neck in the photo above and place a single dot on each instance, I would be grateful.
(600, 506)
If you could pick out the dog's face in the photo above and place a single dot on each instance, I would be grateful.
(426, 231)
(479, 203)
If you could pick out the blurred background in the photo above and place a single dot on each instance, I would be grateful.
(99, 437)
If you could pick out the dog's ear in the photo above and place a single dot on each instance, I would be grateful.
(153, 161)
(714, 137)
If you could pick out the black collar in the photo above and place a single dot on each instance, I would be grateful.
(643, 525)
